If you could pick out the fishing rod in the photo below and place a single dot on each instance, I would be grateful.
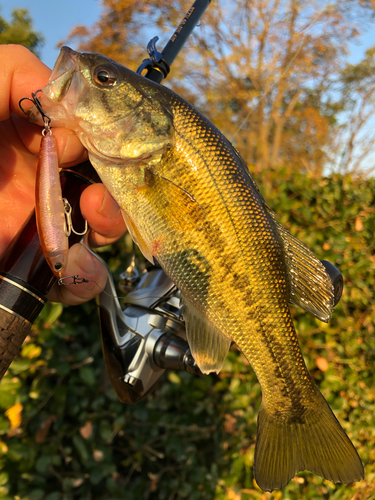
(25, 277)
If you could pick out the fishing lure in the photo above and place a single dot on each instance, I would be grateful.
(53, 212)
(50, 208)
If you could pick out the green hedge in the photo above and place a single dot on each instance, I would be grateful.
(194, 438)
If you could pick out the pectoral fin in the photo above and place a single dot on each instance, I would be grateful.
(311, 287)
(174, 202)
(208, 345)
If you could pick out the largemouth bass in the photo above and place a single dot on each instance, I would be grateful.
(191, 205)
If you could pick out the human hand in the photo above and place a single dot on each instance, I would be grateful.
(23, 73)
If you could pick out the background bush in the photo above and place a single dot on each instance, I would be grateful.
(64, 434)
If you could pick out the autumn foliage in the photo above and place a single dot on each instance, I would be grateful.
(271, 74)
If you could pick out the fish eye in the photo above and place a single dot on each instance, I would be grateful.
(105, 76)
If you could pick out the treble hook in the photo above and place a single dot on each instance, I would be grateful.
(68, 220)
(76, 280)
(35, 100)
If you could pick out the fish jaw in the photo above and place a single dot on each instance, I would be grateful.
(62, 74)
(54, 97)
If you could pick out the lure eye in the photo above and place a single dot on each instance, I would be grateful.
(105, 76)
(58, 266)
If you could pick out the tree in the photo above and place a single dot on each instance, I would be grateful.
(20, 30)
(279, 61)
(263, 71)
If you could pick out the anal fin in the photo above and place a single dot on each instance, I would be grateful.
(208, 345)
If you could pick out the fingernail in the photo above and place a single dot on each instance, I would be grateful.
(73, 149)
(109, 208)
(66, 153)
(86, 261)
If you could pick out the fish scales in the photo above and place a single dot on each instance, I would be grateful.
(191, 204)
(250, 243)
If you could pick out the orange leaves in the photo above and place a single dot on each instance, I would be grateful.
(14, 413)
(230, 424)
(322, 364)
(86, 430)
(358, 224)
(232, 495)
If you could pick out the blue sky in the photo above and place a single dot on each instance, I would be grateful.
(55, 18)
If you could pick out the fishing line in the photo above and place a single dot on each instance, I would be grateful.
(77, 280)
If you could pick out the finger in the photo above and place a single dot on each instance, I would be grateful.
(22, 73)
(69, 148)
(103, 215)
(82, 263)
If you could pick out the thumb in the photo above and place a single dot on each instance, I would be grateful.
(82, 263)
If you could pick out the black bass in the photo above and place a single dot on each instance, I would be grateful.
(190, 203)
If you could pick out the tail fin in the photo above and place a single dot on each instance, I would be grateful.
(316, 443)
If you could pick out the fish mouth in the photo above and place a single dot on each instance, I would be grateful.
(62, 74)
(58, 84)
